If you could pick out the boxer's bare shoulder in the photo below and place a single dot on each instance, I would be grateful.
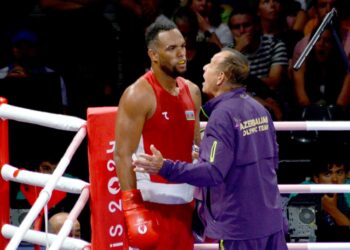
(139, 97)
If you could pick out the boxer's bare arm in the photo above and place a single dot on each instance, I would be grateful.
(136, 105)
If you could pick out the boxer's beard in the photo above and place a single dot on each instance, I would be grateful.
(173, 72)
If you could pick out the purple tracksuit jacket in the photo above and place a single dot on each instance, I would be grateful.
(236, 170)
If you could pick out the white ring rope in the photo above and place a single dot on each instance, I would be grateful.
(35, 237)
(291, 246)
(73, 215)
(307, 125)
(68, 123)
(312, 125)
(65, 184)
(45, 194)
(314, 188)
(56, 121)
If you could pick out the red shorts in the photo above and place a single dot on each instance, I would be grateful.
(175, 225)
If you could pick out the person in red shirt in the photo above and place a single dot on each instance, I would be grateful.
(161, 108)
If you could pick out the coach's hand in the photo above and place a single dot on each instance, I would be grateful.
(146, 163)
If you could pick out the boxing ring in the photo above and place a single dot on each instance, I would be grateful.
(103, 190)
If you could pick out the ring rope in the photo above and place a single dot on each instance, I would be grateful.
(46, 119)
(312, 125)
(45, 194)
(65, 184)
(37, 237)
(307, 125)
(73, 215)
(68, 123)
(291, 246)
(314, 188)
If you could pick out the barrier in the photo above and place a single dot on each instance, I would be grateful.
(107, 223)
(4, 185)
(53, 121)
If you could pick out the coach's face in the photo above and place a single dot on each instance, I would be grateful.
(213, 75)
(172, 52)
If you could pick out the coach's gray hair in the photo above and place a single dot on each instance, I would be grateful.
(235, 66)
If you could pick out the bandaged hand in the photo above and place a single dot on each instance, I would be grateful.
(146, 163)
(195, 153)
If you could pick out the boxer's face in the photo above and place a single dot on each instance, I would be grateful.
(171, 52)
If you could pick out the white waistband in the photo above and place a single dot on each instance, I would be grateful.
(163, 193)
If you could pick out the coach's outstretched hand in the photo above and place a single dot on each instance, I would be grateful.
(146, 163)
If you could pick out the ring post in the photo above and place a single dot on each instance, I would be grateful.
(4, 185)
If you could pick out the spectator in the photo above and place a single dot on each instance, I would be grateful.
(329, 166)
(197, 52)
(149, 11)
(219, 27)
(60, 201)
(81, 44)
(267, 55)
(267, 58)
(296, 13)
(211, 26)
(12, 17)
(283, 20)
(56, 222)
(271, 16)
(343, 13)
(322, 7)
(47, 167)
(28, 64)
(323, 80)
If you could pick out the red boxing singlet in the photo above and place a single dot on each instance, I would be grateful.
(171, 130)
